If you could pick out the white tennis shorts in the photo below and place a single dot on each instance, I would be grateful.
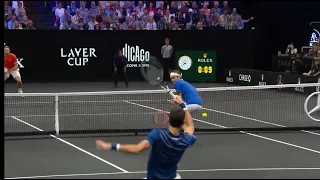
(194, 108)
(14, 74)
(177, 176)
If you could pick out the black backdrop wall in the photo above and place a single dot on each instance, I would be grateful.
(45, 54)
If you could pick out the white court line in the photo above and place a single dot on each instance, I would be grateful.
(72, 145)
(67, 102)
(250, 134)
(143, 172)
(97, 114)
(257, 120)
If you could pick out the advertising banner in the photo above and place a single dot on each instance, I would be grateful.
(247, 77)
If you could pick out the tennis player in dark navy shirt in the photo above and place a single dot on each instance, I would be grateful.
(120, 64)
(168, 145)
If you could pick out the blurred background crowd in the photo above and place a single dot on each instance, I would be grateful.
(125, 15)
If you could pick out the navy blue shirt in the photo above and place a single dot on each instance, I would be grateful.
(166, 152)
(189, 93)
(120, 61)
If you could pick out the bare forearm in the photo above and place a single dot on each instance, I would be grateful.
(129, 148)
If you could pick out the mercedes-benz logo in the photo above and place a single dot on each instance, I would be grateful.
(229, 73)
(262, 77)
(280, 79)
(315, 109)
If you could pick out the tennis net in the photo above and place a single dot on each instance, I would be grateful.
(244, 108)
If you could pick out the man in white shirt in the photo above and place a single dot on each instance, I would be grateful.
(59, 10)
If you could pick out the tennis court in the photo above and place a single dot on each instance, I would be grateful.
(216, 155)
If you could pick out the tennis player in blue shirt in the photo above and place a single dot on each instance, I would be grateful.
(168, 145)
(188, 92)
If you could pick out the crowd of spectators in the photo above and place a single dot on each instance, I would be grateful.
(15, 16)
(306, 63)
(146, 15)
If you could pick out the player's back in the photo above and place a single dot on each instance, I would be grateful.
(166, 152)
(189, 92)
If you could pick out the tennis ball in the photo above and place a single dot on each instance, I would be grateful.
(204, 114)
(158, 78)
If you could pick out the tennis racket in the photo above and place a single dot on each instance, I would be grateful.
(160, 118)
(153, 73)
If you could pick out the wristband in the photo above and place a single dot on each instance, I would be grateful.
(183, 106)
(115, 147)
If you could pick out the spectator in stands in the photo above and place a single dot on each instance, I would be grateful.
(72, 9)
(180, 19)
(8, 16)
(80, 25)
(199, 26)
(151, 10)
(318, 42)
(30, 25)
(97, 27)
(173, 8)
(224, 19)
(151, 24)
(75, 19)
(5, 25)
(234, 14)
(17, 26)
(59, 11)
(92, 23)
(313, 51)
(24, 22)
(216, 8)
(290, 49)
(69, 25)
(20, 11)
(297, 66)
(161, 24)
(12, 22)
(225, 7)
(95, 10)
(139, 9)
(315, 69)
(128, 23)
(7, 7)
(176, 26)
(168, 16)
(100, 17)
(83, 9)
(64, 18)
(240, 22)
(105, 24)
(191, 18)
(15, 4)
(88, 17)
(195, 8)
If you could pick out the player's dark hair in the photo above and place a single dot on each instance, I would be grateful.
(176, 117)
(176, 71)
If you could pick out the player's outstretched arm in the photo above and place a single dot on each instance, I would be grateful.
(128, 148)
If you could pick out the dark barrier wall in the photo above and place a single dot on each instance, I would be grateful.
(44, 55)
(247, 77)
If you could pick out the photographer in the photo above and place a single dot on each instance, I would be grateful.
(120, 63)
(291, 50)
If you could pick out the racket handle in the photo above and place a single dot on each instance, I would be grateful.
(171, 94)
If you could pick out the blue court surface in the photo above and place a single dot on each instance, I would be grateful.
(239, 155)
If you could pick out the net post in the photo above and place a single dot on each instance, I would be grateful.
(56, 116)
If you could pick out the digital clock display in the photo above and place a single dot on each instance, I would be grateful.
(205, 69)
(197, 66)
